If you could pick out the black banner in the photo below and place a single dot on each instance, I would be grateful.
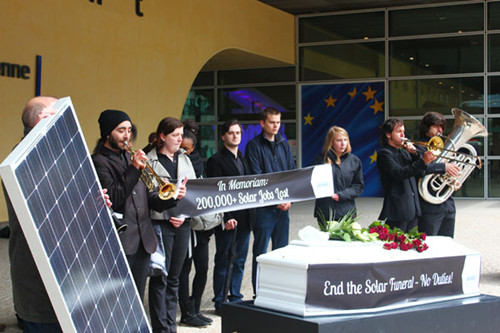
(212, 195)
(371, 285)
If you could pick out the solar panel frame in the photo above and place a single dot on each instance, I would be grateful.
(57, 197)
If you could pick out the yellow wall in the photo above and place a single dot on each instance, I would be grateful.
(105, 56)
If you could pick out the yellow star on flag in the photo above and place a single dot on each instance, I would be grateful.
(308, 119)
(377, 106)
(370, 94)
(373, 158)
(353, 93)
(330, 101)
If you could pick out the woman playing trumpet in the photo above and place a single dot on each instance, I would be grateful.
(169, 161)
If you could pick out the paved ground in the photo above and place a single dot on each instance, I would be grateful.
(477, 227)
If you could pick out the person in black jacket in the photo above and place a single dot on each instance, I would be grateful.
(347, 177)
(119, 172)
(398, 163)
(31, 300)
(200, 239)
(230, 162)
(436, 219)
(269, 152)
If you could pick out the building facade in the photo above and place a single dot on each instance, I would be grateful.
(401, 62)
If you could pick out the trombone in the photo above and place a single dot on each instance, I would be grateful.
(436, 146)
(166, 190)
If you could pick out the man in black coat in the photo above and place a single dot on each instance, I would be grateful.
(119, 173)
(399, 163)
(31, 300)
(230, 162)
(436, 219)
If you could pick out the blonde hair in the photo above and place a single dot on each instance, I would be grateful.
(330, 136)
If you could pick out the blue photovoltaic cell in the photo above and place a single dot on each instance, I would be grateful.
(61, 190)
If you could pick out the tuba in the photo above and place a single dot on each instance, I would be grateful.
(437, 188)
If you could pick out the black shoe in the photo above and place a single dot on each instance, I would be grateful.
(205, 318)
(193, 321)
(189, 317)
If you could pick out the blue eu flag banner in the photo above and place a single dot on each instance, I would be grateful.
(356, 107)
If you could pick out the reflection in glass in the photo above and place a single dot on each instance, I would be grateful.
(445, 19)
(415, 97)
(207, 141)
(494, 15)
(494, 137)
(473, 187)
(204, 79)
(494, 49)
(429, 56)
(363, 60)
(494, 179)
(199, 106)
(256, 75)
(245, 104)
(341, 27)
(494, 96)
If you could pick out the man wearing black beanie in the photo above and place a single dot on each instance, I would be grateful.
(119, 172)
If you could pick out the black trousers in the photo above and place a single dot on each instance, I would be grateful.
(139, 265)
(200, 259)
(441, 223)
(163, 291)
(403, 225)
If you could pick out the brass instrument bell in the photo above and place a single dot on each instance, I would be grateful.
(166, 190)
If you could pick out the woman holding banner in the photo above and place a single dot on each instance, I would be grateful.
(347, 177)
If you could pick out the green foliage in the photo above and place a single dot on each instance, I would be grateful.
(347, 228)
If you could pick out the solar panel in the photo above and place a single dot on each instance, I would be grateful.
(57, 197)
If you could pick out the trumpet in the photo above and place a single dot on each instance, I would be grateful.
(166, 190)
(436, 146)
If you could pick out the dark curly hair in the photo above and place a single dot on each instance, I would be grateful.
(387, 128)
(431, 118)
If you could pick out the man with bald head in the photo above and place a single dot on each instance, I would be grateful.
(36, 109)
(31, 301)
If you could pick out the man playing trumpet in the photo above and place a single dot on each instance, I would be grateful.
(120, 172)
(399, 163)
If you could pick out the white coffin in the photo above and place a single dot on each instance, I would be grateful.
(337, 277)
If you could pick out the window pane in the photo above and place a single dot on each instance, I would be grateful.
(494, 179)
(494, 15)
(494, 96)
(473, 187)
(204, 79)
(207, 141)
(494, 137)
(494, 44)
(415, 97)
(347, 61)
(341, 27)
(451, 55)
(199, 106)
(261, 75)
(436, 20)
(247, 103)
